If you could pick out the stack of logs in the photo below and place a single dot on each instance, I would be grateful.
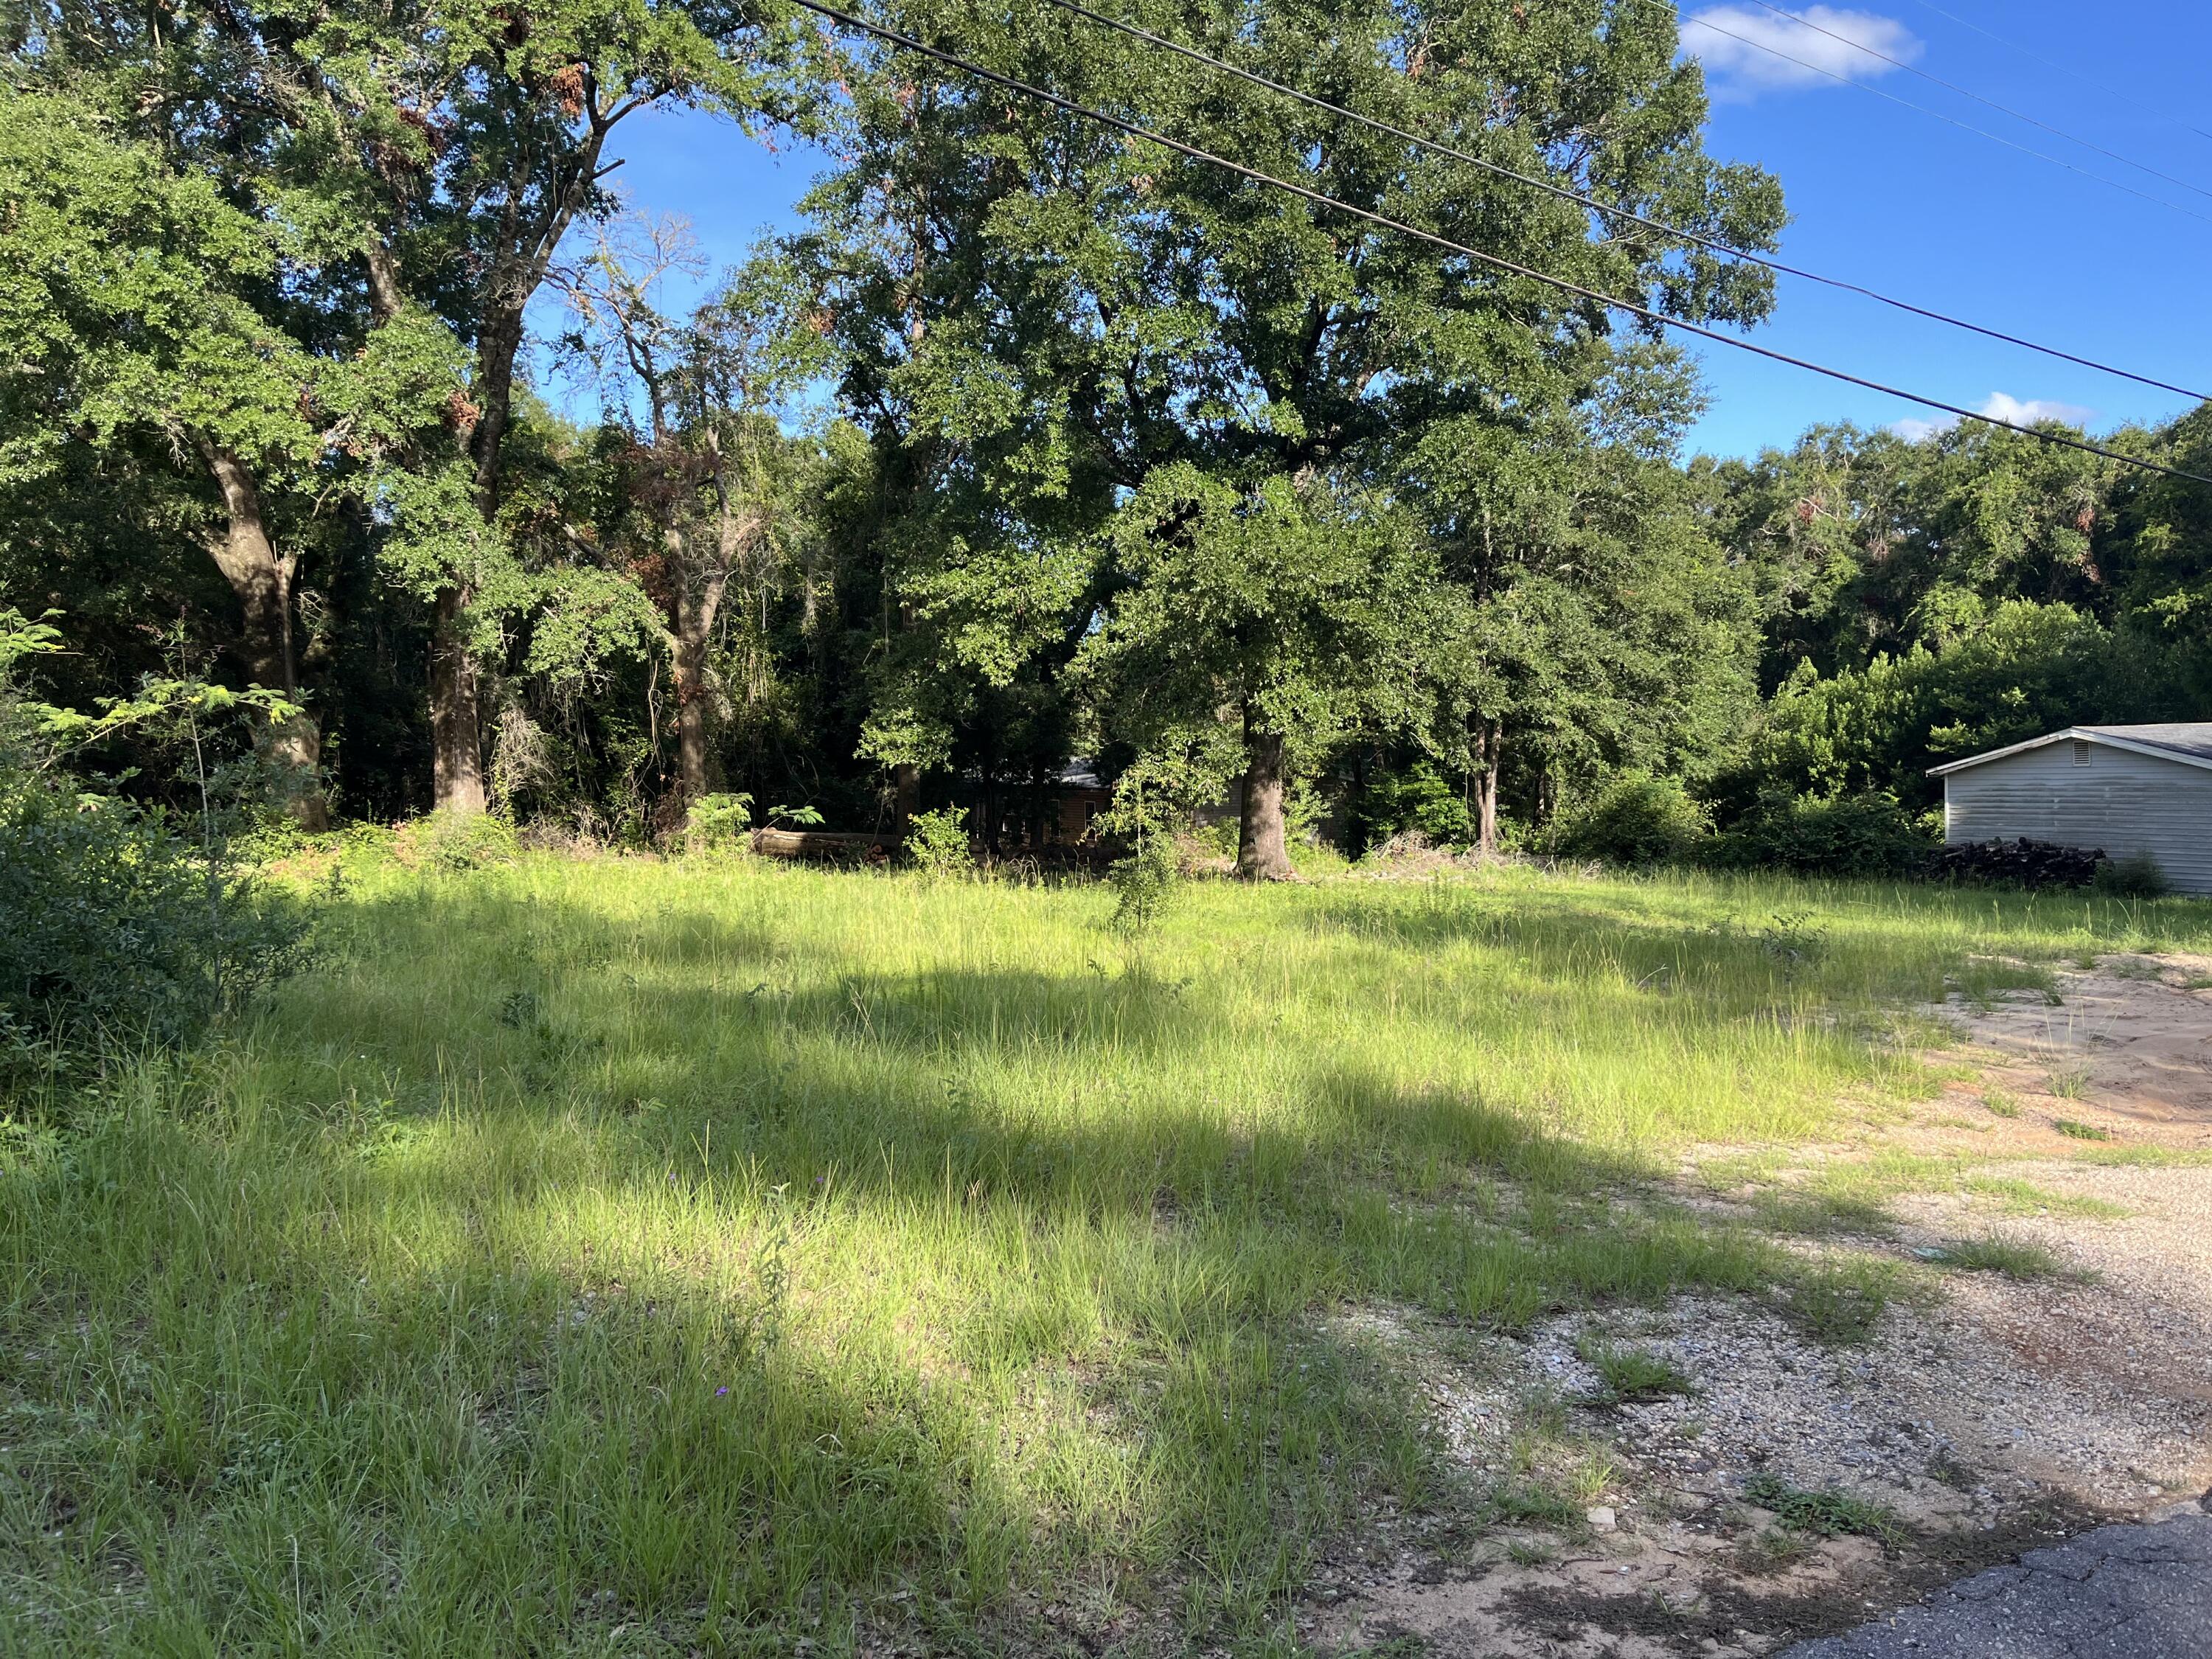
(2029, 863)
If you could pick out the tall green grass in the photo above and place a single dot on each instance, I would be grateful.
(630, 1257)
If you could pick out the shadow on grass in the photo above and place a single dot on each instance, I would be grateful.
(504, 1299)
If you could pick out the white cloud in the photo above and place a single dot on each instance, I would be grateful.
(1730, 45)
(2002, 408)
(1999, 406)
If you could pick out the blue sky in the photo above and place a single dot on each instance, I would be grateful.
(1882, 195)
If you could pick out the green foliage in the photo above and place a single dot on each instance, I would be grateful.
(1828, 1514)
(1635, 819)
(1420, 798)
(1633, 1374)
(453, 843)
(720, 823)
(937, 842)
(1146, 883)
(2016, 1258)
(122, 934)
(1861, 835)
(2137, 876)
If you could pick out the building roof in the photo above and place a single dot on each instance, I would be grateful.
(2189, 742)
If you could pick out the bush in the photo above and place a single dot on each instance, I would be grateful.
(120, 934)
(1635, 819)
(1145, 885)
(1861, 835)
(720, 823)
(2136, 876)
(455, 842)
(937, 842)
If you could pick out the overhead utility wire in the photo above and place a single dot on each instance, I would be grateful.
(1964, 126)
(2082, 76)
(908, 42)
(1536, 182)
(1966, 92)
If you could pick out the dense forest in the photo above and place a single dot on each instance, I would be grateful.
(1036, 449)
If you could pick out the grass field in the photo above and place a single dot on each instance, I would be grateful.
(636, 1257)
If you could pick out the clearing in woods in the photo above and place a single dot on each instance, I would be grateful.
(622, 1256)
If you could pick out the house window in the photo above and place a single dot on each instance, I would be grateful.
(2080, 752)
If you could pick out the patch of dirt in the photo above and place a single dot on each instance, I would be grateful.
(2123, 1049)
(2008, 1413)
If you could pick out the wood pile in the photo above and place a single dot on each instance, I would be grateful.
(2028, 863)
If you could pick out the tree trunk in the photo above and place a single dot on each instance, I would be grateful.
(1262, 854)
(694, 627)
(456, 745)
(456, 691)
(263, 582)
(906, 794)
(1492, 741)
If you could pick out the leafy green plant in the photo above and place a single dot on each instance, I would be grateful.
(718, 823)
(1635, 819)
(2136, 876)
(120, 933)
(1828, 1514)
(1633, 1374)
(2016, 1258)
(1144, 885)
(937, 842)
(2075, 1130)
(804, 817)
(1848, 835)
(455, 843)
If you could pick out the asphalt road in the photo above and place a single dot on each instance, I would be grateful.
(2123, 1592)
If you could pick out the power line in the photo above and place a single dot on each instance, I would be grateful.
(910, 43)
(1990, 103)
(1534, 182)
(2082, 76)
(1953, 120)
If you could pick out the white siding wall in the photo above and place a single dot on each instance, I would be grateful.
(2123, 802)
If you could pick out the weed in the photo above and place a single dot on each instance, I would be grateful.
(2075, 1130)
(1632, 1374)
(1828, 1514)
(1840, 1303)
(2001, 1104)
(2070, 1083)
(1527, 1552)
(2016, 1258)
(2016, 1197)
(1772, 1549)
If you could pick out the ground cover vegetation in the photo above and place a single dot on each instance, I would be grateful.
(703, 1252)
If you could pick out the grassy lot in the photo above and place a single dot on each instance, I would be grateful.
(631, 1257)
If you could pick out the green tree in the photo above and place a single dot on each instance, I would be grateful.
(707, 473)
(1040, 315)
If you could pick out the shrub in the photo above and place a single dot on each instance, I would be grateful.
(718, 823)
(1145, 885)
(2136, 876)
(937, 842)
(1635, 819)
(454, 843)
(121, 934)
(1867, 834)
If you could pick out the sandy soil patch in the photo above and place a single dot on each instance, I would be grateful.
(2003, 1413)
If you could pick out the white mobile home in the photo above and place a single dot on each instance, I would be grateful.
(2124, 789)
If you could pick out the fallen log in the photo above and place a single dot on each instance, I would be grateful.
(834, 846)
